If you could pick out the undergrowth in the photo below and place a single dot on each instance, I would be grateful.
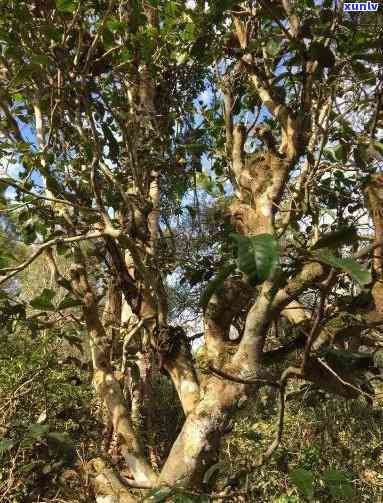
(50, 427)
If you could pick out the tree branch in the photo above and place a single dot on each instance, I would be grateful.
(14, 184)
(41, 248)
(240, 380)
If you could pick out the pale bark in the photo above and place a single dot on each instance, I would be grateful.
(111, 318)
(223, 306)
(105, 382)
(183, 375)
(374, 193)
(198, 443)
(250, 350)
(109, 489)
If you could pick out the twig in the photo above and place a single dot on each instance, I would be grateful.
(239, 380)
(196, 336)
(11, 120)
(315, 330)
(13, 183)
(369, 249)
(44, 246)
(345, 383)
(289, 372)
(16, 394)
(97, 37)
(277, 21)
(278, 438)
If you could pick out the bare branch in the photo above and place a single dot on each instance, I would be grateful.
(13, 183)
(127, 339)
(240, 380)
(11, 120)
(345, 383)
(44, 246)
(293, 18)
(315, 330)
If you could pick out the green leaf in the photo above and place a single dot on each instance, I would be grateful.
(180, 187)
(341, 152)
(62, 445)
(339, 485)
(329, 154)
(343, 235)
(18, 97)
(371, 58)
(158, 495)
(40, 59)
(347, 360)
(5, 445)
(5, 258)
(272, 11)
(273, 47)
(326, 15)
(348, 265)
(304, 481)
(73, 340)
(379, 146)
(362, 71)
(188, 34)
(205, 182)
(195, 148)
(257, 256)
(114, 25)
(322, 54)
(28, 233)
(286, 499)
(46, 469)
(373, 152)
(37, 431)
(44, 300)
(66, 5)
(52, 184)
(126, 55)
(28, 467)
(68, 302)
(215, 284)
(62, 248)
(252, 435)
(194, 276)
(211, 472)
(182, 498)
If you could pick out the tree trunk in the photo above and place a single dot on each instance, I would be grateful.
(198, 443)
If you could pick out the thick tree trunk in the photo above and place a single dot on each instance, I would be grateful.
(198, 443)
(375, 197)
(108, 388)
(185, 381)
